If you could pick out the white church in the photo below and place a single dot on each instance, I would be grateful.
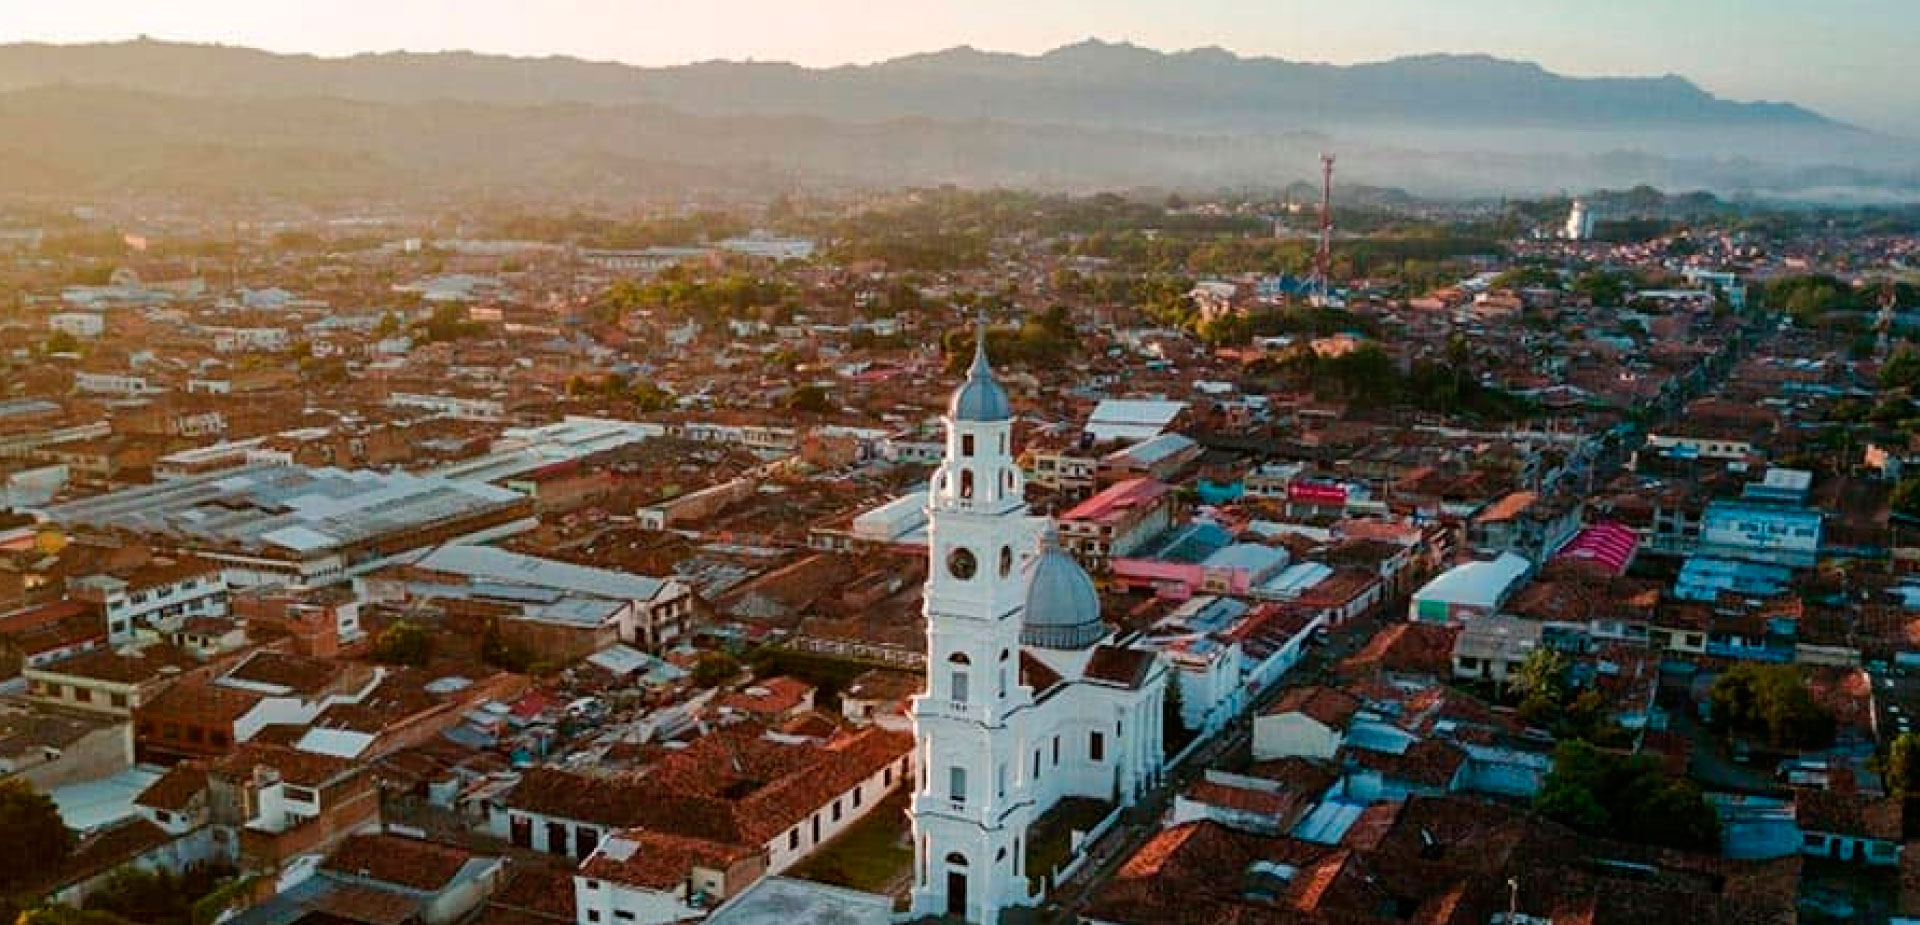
(1028, 698)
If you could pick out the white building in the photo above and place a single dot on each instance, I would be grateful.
(78, 324)
(1469, 590)
(1027, 702)
(654, 613)
(249, 340)
(453, 406)
(113, 384)
(1579, 222)
(764, 245)
(160, 596)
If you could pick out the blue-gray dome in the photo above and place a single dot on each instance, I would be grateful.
(980, 398)
(1063, 607)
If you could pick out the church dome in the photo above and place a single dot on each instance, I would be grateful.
(980, 398)
(1063, 608)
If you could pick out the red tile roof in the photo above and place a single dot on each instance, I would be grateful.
(406, 862)
(176, 790)
(726, 787)
(1833, 813)
(1406, 648)
(1327, 706)
(536, 892)
(1122, 666)
(1427, 762)
(771, 697)
(120, 666)
(658, 861)
(200, 701)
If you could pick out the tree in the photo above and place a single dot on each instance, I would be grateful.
(811, 398)
(1605, 289)
(158, 897)
(1902, 370)
(1772, 702)
(1906, 497)
(1626, 797)
(715, 668)
(68, 915)
(36, 842)
(1543, 674)
(404, 643)
(1903, 764)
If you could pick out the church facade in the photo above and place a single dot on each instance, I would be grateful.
(1028, 699)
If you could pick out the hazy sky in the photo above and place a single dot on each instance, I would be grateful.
(1853, 59)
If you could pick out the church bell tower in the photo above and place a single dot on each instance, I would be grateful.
(972, 807)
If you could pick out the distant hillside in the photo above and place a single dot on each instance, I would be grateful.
(1090, 84)
(159, 116)
(101, 141)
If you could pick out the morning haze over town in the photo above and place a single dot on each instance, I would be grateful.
(1071, 462)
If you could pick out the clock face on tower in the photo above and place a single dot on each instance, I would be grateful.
(961, 564)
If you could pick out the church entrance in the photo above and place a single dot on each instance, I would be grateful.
(957, 894)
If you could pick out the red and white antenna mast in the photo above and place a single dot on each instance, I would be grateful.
(1323, 256)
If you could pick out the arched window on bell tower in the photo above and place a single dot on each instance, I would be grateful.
(958, 682)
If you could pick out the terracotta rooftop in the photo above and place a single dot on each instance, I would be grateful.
(302, 769)
(1325, 705)
(298, 673)
(122, 666)
(177, 789)
(1406, 648)
(532, 894)
(1835, 813)
(1117, 665)
(201, 701)
(406, 862)
(657, 861)
(770, 697)
(727, 786)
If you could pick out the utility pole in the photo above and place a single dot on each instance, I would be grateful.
(1323, 255)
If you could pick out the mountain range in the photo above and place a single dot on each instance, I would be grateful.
(1081, 116)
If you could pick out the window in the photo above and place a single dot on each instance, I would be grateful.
(793, 839)
(118, 700)
(961, 564)
(1000, 780)
(966, 483)
(966, 445)
(836, 810)
(623, 915)
(301, 794)
(1036, 764)
(886, 776)
(593, 884)
(593, 915)
(856, 796)
(1056, 751)
(1097, 747)
(957, 784)
(959, 683)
